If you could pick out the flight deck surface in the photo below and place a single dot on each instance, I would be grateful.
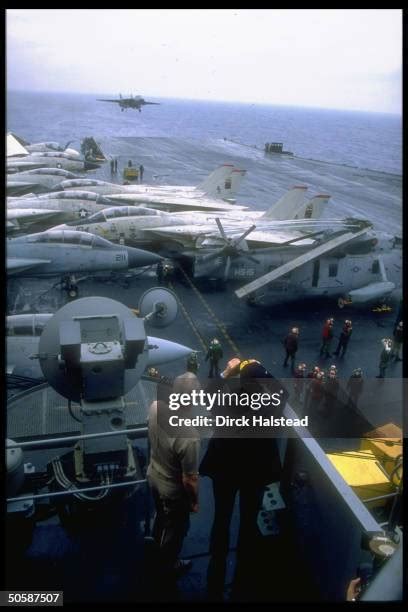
(90, 569)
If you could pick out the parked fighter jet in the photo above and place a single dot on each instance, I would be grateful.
(58, 253)
(59, 207)
(222, 183)
(138, 226)
(50, 159)
(23, 332)
(42, 146)
(37, 181)
(135, 102)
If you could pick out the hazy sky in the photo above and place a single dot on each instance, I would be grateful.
(333, 58)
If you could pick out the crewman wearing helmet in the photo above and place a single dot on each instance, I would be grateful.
(327, 337)
(291, 347)
(355, 386)
(214, 354)
(385, 356)
(344, 338)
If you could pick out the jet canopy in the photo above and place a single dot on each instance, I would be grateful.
(51, 172)
(80, 182)
(122, 211)
(67, 237)
(76, 195)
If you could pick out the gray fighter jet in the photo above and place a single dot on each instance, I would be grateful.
(35, 147)
(61, 253)
(135, 102)
(222, 183)
(37, 181)
(68, 160)
(55, 207)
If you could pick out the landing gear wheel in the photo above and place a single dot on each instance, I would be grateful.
(73, 292)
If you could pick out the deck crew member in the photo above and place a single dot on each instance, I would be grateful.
(173, 476)
(327, 337)
(355, 385)
(316, 392)
(398, 339)
(385, 356)
(214, 354)
(141, 172)
(331, 389)
(239, 464)
(112, 166)
(344, 338)
(192, 363)
(308, 384)
(291, 347)
(299, 383)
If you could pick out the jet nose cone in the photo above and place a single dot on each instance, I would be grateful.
(138, 258)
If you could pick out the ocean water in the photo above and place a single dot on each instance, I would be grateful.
(357, 139)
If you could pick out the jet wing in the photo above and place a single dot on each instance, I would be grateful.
(15, 265)
(33, 215)
(117, 101)
(15, 165)
(167, 203)
(261, 238)
(18, 188)
(313, 254)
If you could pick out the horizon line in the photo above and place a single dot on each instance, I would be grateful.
(211, 100)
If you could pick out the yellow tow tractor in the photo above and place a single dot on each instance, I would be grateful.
(374, 471)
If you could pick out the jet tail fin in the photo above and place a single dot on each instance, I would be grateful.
(288, 205)
(313, 209)
(223, 183)
(215, 179)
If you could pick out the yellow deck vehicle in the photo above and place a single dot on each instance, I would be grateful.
(362, 471)
(386, 444)
(130, 174)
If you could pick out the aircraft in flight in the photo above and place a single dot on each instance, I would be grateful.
(135, 102)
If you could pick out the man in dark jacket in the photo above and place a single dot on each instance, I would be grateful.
(344, 338)
(291, 346)
(398, 338)
(239, 464)
(385, 357)
(355, 386)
